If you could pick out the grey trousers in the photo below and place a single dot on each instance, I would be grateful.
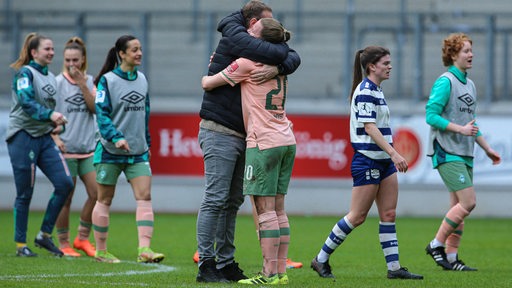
(224, 161)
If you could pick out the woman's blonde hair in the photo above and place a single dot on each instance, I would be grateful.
(273, 31)
(76, 43)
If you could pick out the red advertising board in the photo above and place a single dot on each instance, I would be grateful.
(323, 145)
(174, 146)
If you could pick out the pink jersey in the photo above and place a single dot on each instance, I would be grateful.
(265, 119)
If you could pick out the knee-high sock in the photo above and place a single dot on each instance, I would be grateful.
(145, 219)
(453, 242)
(389, 244)
(338, 234)
(453, 218)
(269, 241)
(63, 236)
(284, 238)
(100, 222)
(84, 230)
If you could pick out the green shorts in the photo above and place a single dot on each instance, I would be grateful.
(107, 173)
(79, 167)
(456, 175)
(268, 172)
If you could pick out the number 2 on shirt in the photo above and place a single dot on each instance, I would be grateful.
(276, 93)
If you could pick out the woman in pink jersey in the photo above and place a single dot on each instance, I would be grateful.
(270, 151)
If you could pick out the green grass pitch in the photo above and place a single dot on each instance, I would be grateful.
(358, 262)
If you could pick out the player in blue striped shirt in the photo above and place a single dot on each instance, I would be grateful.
(374, 165)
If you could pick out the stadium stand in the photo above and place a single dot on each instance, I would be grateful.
(178, 37)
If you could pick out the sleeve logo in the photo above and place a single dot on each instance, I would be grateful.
(232, 67)
(22, 83)
(364, 109)
(100, 96)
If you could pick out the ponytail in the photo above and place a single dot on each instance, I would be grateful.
(365, 57)
(273, 31)
(357, 74)
(31, 42)
(287, 35)
(112, 60)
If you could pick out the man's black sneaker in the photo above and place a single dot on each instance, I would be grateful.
(439, 256)
(459, 265)
(25, 252)
(47, 243)
(323, 269)
(232, 272)
(208, 273)
(403, 273)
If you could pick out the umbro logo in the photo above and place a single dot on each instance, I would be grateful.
(467, 99)
(49, 89)
(76, 99)
(133, 97)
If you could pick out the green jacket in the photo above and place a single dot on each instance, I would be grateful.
(439, 97)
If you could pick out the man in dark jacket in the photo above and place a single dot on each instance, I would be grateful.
(222, 139)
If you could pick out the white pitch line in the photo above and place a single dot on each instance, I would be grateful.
(159, 269)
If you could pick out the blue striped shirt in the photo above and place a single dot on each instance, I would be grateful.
(369, 106)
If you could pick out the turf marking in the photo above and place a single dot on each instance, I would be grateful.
(159, 268)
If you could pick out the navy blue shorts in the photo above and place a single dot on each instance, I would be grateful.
(367, 171)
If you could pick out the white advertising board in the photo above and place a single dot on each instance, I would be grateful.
(495, 130)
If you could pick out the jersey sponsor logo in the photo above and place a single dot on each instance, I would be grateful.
(22, 83)
(50, 90)
(133, 97)
(77, 99)
(232, 67)
(100, 96)
(469, 101)
(134, 108)
(77, 102)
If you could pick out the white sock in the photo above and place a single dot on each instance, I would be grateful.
(42, 235)
(435, 243)
(452, 257)
(393, 266)
(322, 257)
